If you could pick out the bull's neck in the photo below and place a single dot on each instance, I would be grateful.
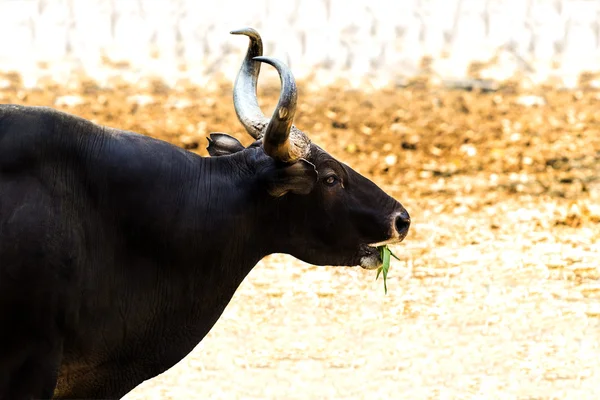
(225, 218)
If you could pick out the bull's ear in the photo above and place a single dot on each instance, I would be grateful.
(297, 178)
(221, 144)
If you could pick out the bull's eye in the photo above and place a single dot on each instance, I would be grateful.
(331, 180)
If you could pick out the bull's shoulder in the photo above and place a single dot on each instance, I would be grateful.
(12, 112)
(27, 125)
(23, 120)
(33, 133)
(42, 137)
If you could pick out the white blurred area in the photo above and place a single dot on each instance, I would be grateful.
(374, 41)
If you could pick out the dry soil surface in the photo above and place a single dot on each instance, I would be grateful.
(497, 295)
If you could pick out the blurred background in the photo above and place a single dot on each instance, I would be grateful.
(381, 40)
(482, 117)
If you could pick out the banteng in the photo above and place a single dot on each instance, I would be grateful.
(119, 252)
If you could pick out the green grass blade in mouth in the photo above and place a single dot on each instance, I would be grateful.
(386, 255)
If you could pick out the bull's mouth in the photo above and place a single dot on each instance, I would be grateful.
(370, 254)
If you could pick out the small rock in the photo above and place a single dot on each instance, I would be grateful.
(69, 101)
(530, 101)
(141, 99)
(468, 149)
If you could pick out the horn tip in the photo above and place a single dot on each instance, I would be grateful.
(265, 59)
(245, 31)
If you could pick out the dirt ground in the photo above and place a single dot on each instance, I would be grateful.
(497, 295)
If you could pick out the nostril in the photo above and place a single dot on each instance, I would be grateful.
(402, 223)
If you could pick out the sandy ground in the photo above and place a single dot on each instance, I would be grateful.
(497, 295)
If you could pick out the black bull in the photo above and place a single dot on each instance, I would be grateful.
(119, 252)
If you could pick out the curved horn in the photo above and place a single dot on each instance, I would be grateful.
(282, 140)
(244, 90)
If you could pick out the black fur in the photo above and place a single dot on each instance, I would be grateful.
(119, 252)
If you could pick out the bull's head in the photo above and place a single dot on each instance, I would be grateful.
(327, 213)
